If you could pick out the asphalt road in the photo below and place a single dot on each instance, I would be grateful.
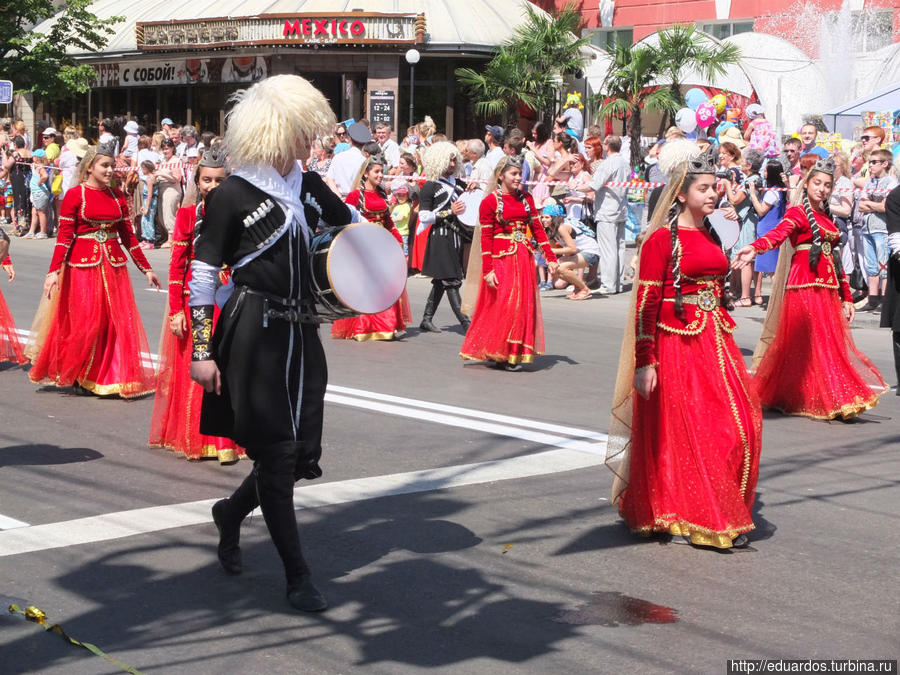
(463, 524)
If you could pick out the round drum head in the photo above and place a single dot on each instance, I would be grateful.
(366, 268)
(472, 200)
(729, 231)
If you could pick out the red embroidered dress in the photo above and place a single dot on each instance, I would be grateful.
(696, 439)
(507, 325)
(176, 410)
(10, 346)
(812, 367)
(92, 333)
(388, 324)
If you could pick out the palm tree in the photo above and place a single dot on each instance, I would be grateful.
(626, 90)
(530, 66)
(682, 48)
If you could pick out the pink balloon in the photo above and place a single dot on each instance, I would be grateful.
(706, 115)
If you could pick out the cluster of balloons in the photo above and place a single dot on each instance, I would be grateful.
(702, 112)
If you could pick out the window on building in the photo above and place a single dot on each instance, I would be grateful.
(723, 29)
(607, 38)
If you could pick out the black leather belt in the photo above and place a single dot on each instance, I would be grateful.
(294, 310)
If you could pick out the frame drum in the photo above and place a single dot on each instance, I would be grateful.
(729, 231)
(472, 200)
(357, 269)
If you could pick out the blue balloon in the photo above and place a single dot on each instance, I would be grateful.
(694, 97)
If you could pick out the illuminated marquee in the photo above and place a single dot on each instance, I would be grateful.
(347, 28)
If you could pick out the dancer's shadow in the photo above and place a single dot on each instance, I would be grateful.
(45, 455)
(398, 589)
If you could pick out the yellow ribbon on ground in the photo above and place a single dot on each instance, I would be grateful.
(37, 615)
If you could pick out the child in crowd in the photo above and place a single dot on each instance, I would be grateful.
(40, 196)
(148, 199)
(551, 216)
(401, 211)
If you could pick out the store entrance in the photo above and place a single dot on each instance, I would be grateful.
(345, 92)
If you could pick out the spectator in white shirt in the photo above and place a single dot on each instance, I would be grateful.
(609, 215)
(493, 138)
(344, 169)
(389, 148)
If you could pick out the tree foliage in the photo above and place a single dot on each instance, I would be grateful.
(627, 90)
(38, 62)
(530, 66)
(683, 48)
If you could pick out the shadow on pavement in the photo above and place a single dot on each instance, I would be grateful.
(45, 455)
(394, 598)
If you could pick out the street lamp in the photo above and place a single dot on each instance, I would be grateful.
(412, 58)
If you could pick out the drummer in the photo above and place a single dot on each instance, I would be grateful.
(442, 207)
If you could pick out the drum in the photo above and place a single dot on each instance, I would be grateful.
(357, 269)
(472, 200)
(729, 231)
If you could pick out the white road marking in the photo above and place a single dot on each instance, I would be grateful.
(7, 523)
(154, 519)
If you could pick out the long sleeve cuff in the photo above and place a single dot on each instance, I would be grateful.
(201, 332)
(202, 284)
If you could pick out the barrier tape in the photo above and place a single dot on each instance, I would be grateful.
(630, 184)
(36, 615)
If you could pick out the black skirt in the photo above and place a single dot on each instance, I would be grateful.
(890, 306)
(444, 253)
(263, 368)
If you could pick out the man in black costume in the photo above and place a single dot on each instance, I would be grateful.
(890, 307)
(263, 369)
(440, 207)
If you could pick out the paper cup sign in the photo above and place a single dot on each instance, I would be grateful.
(706, 115)
(686, 120)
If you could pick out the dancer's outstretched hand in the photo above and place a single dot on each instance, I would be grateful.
(743, 258)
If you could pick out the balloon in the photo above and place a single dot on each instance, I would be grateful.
(706, 115)
(686, 120)
(694, 97)
(732, 114)
(719, 102)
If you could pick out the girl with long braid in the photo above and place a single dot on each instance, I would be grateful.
(685, 432)
(507, 327)
(805, 362)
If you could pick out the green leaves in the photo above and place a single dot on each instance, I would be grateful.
(530, 66)
(39, 62)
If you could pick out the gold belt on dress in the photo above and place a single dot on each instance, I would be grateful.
(705, 299)
(99, 235)
(826, 247)
(517, 236)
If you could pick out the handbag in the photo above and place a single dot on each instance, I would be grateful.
(56, 185)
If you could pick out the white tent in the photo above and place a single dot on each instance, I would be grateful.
(844, 117)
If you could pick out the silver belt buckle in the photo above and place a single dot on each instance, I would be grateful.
(101, 235)
(826, 247)
(518, 236)
(706, 300)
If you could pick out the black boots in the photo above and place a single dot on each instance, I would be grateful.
(896, 335)
(431, 305)
(271, 487)
(228, 514)
(456, 306)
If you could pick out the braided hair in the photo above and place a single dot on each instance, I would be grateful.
(815, 251)
(672, 220)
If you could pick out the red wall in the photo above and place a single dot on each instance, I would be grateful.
(646, 16)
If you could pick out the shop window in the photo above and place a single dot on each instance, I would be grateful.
(608, 38)
(723, 29)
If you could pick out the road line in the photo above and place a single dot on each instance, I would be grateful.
(472, 424)
(7, 523)
(135, 522)
(469, 412)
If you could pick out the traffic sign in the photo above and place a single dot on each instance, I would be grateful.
(6, 91)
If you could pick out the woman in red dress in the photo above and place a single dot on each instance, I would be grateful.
(88, 333)
(806, 362)
(176, 410)
(685, 434)
(10, 347)
(372, 205)
(507, 326)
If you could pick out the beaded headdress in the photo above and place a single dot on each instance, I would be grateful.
(214, 158)
(824, 165)
(107, 148)
(705, 163)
